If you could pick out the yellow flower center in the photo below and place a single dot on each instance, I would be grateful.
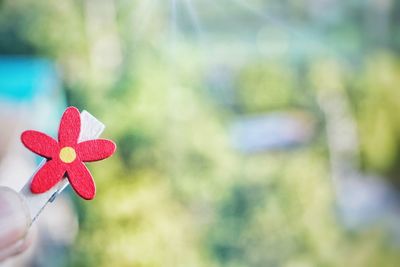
(67, 154)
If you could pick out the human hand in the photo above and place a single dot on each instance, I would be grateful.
(14, 223)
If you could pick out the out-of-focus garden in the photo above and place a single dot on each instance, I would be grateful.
(250, 133)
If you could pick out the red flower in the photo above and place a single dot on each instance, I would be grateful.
(66, 156)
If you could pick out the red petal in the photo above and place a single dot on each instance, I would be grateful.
(70, 127)
(81, 180)
(94, 150)
(40, 143)
(47, 176)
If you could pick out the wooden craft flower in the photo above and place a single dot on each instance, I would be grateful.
(65, 157)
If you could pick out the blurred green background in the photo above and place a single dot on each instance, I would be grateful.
(171, 79)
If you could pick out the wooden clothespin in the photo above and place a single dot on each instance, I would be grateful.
(64, 159)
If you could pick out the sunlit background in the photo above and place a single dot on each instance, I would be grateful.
(251, 133)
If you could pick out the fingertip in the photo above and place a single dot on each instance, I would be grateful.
(14, 217)
(17, 248)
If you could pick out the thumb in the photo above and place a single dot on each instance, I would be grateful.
(14, 217)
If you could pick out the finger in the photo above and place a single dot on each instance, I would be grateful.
(14, 217)
(16, 248)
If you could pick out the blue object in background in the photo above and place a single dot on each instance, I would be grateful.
(22, 79)
(274, 131)
(31, 87)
